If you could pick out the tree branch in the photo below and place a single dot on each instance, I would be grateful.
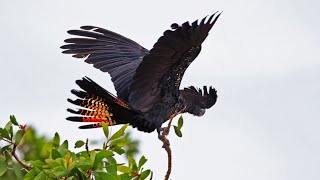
(13, 153)
(166, 143)
(87, 147)
(166, 146)
(8, 141)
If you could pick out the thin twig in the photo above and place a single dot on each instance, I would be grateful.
(13, 153)
(87, 147)
(8, 141)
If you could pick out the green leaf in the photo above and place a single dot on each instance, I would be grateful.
(124, 169)
(37, 170)
(41, 176)
(68, 161)
(8, 158)
(30, 175)
(59, 171)
(101, 175)
(36, 163)
(3, 167)
(14, 120)
(92, 157)
(4, 133)
(60, 161)
(55, 154)
(145, 174)
(180, 122)
(52, 163)
(119, 133)
(125, 176)
(64, 145)
(5, 148)
(17, 170)
(84, 164)
(79, 144)
(18, 137)
(119, 151)
(56, 140)
(105, 129)
(111, 166)
(142, 161)
(112, 160)
(151, 176)
(84, 167)
(102, 154)
(118, 143)
(8, 125)
(132, 163)
(11, 132)
(2, 158)
(77, 174)
(9, 129)
(63, 148)
(177, 131)
(83, 154)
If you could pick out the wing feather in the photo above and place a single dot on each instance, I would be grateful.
(175, 46)
(108, 51)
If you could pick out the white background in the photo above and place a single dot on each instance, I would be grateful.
(263, 57)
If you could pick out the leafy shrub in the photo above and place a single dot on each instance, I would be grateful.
(53, 159)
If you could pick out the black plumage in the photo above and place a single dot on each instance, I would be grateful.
(147, 82)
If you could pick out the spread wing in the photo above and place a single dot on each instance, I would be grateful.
(108, 51)
(160, 73)
(195, 97)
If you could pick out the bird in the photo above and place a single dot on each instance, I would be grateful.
(147, 81)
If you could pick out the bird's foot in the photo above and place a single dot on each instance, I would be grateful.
(162, 131)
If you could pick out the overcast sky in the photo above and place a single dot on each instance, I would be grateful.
(263, 57)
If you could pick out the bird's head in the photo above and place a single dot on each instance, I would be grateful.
(197, 101)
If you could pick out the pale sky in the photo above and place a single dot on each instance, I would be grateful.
(263, 57)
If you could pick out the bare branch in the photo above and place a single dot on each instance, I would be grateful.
(8, 141)
(13, 153)
(87, 147)
(166, 146)
(166, 143)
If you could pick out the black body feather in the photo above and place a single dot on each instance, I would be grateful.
(147, 82)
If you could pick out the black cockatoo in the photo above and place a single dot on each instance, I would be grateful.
(147, 82)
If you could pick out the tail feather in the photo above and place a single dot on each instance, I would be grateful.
(98, 105)
(89, 113)
(89, 119)
(90, 126)
(90, 104)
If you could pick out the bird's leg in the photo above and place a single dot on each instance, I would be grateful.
(164, 131)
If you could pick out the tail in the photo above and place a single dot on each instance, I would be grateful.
(99, 105)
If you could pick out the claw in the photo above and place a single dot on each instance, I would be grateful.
(159, 130)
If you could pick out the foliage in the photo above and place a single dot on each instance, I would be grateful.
(177, 129)
(53, 159)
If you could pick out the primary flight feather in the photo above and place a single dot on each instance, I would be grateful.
(147, 82)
